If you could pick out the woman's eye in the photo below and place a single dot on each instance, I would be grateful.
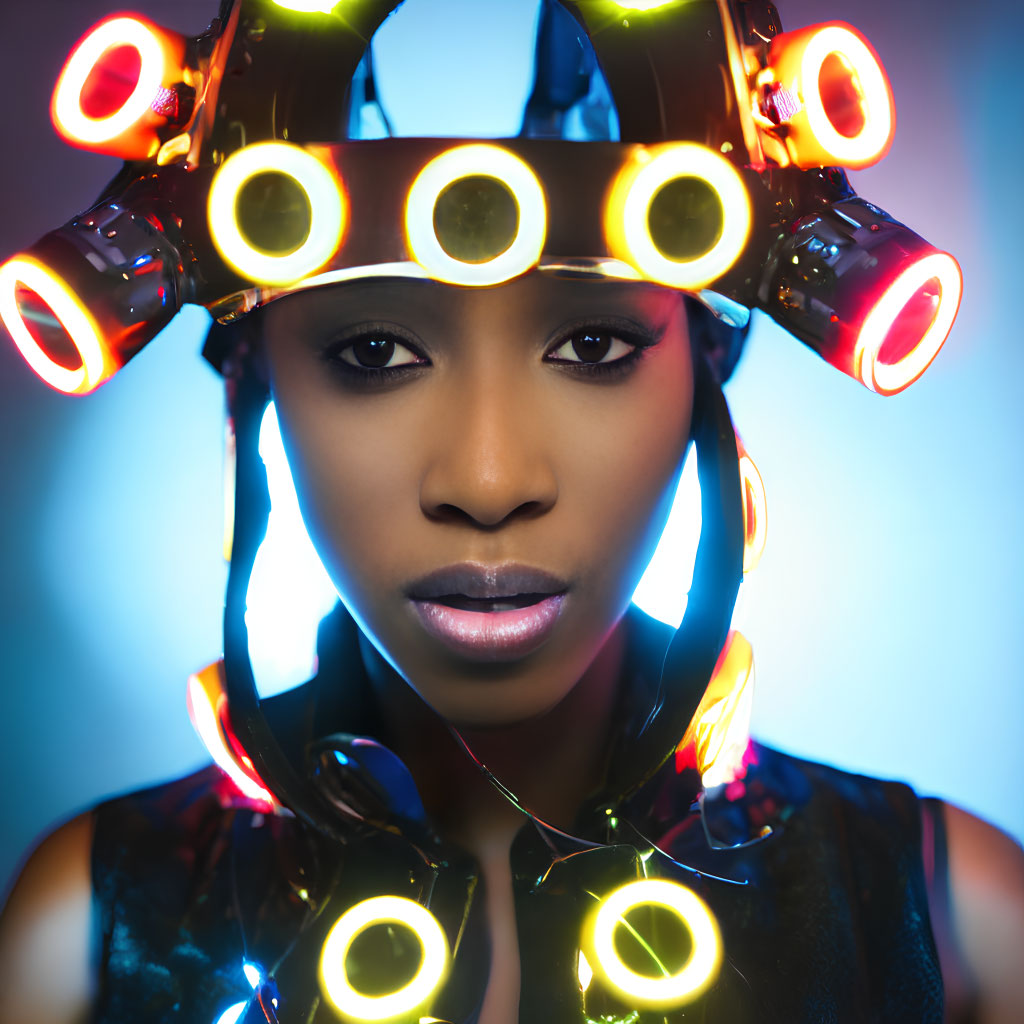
(378, 352)
(590, 346)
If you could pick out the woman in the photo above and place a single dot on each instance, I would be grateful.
(491, 435)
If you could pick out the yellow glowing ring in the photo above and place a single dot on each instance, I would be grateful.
(698, 971)
(380, 910)
(71, 119)
(73, 316)
(889, 378)
(874, 87)
(477, 159)
(309, 6)
(325, 201)
(686, 160)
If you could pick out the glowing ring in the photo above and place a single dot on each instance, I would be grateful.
(889, 378)
(477, 159)
(73, 316)
(685, 160)
(72, 120)
(877, 130)
(754, 533)
(380, 910)
(696, 973)
(325, 201)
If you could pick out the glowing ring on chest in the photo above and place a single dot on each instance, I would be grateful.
(692, 978)
(351, 924)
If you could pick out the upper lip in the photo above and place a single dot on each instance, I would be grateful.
(475, 580)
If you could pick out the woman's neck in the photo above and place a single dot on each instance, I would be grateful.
(550, 763)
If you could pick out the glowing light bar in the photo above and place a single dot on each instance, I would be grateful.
(669, 990)
(643, 5)
(722, 731)
(584, 972)
(69, 118)
(889, 378)
(73, 317)
(206, 703)
(627, 216)
(383, 910)
(471, 161)
(327, 206)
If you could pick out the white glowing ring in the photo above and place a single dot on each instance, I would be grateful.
(476, 159)
(874, 89)
(696, 973)
(325, 201)
(72, 120)
(380, 910)
(888, 378)
(686, 160)
(73, 317)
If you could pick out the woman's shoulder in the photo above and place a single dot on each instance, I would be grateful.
(47, 971)
(53, 924)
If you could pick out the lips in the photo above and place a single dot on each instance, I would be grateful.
(489, 613)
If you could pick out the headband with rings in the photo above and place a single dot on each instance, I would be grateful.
(740, 199)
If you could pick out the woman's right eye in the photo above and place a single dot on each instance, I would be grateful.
(378, 353)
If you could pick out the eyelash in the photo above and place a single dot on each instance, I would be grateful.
(371, 376)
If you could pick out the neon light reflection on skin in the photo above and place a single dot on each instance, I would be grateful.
(73, 317)
(642, 181)
(698, 971)
(889, 378)
(472, 161)
(871, 84)
(383, 910)
(67, 108)
(328, 215)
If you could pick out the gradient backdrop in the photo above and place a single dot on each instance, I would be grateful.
(886, 616)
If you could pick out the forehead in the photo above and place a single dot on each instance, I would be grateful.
(534, 299)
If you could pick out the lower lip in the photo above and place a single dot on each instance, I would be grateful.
(491, 636)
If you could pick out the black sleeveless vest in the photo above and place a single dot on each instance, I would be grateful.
(825, 919)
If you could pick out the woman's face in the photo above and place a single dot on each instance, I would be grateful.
(485, 472)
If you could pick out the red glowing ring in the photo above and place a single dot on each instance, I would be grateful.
(889, 378)
(876, 96)
(71, 120)
(73, 317)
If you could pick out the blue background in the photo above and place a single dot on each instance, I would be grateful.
(886, 616)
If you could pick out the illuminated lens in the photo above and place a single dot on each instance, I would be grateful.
(383, 910)
(672, 987)
(847, 96)
(896, 330)
(276, 213)
(476, 215)
(681, 215)
(52, 329)
(97, 59)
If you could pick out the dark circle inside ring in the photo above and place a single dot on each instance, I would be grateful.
(686, 218)
(273, 213)
(476, 219)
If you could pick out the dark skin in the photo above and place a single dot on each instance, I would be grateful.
(489, 449)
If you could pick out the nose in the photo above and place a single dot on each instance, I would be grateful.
(492, 459)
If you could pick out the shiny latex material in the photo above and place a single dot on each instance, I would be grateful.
(825, 919)
(688, 661)
(652, 64)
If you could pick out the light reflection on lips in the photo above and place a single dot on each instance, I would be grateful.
(489, 612)
(494, 635)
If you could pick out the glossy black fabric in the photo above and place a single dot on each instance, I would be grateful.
(824, 919)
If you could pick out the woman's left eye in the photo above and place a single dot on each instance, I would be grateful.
(592, 347)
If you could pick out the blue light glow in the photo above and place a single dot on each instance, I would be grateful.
(289, 590)
(663, 588)
(253, 975)
(232, 1014)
